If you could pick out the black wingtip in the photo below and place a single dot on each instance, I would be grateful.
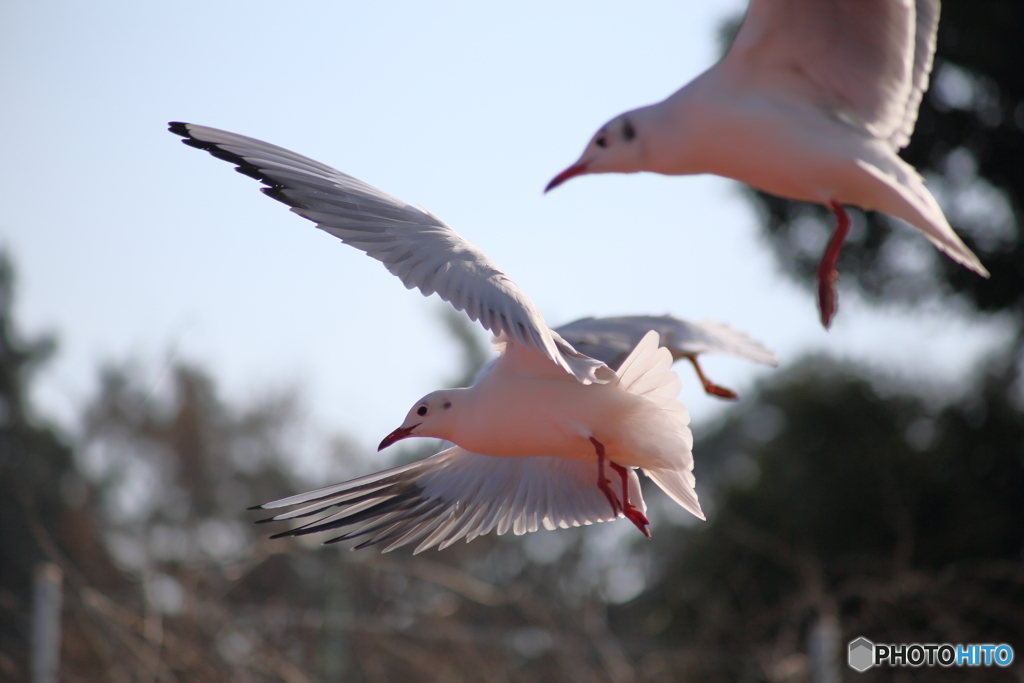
(285, 534)
(241, 165)
(178, 128)
(256, 507)
(338, 539)
(272, 192)
(264, 521)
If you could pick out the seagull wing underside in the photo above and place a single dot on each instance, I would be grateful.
(612, 339)
(453, 495)
(412, 243)
(869, 60)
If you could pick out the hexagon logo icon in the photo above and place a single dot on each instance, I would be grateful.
(862, 654)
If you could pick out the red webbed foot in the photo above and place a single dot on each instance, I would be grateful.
(709, 386)
(630, 511)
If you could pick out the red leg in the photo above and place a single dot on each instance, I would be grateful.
(709, 387)
(631, 512)
(602, 481)
(827, 274)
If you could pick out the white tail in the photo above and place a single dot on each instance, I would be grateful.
(902, 193)
(647, 372)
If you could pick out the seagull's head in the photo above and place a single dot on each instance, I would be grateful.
(615, 148)
(433, 415)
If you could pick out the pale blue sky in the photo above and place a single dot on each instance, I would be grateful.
(130, 244)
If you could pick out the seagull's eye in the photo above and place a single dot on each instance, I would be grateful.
(628, 132)
(447, 405)
(422, 411)
(601, 142)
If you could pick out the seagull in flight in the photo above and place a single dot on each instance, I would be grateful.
(611, 340)
(506, 491)
(533, 439)
(812, 102)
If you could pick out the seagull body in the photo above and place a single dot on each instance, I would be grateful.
(812, 102)
(546, 405)
(526, 406)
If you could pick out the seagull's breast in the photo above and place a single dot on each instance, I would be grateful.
(522, 417)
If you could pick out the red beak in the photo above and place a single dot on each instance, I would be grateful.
(571, 172)
(397, 435)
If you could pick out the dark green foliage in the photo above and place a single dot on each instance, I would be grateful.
(907, 525)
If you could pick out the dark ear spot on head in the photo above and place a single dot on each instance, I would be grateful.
(628, 132)
(447, 405)
(601, 142)
(422, 411)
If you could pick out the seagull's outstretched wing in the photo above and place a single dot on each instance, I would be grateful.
(612, 339)
(413, 244)
(868, 60)
(452, 495)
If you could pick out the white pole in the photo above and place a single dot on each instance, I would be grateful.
(47, 600)
(823, 647)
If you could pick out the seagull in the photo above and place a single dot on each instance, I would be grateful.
(530, 434)
(812, 102)
(611, 339)
(520, 494)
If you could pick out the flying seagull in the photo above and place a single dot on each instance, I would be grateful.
(530, 434)
(517, 494)
(812, 102)
(611, 339)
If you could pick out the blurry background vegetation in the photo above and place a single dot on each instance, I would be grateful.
(840, 503)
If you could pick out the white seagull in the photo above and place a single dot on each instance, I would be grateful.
(611, 340)
(530, 434)
(510, 493)
(812, 102)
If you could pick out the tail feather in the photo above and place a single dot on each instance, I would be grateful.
(912, 202)
(637, 363)
(647, 372)
(678, 484)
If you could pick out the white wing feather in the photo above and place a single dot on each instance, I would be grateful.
(453, 495)
(867, 60)
(412, 243)
(612, 339)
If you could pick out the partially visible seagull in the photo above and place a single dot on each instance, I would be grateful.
(611, 340)
(530, 434)
(811, 103)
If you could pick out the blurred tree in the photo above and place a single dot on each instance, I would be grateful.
(44, 504)
(167, 580)
(969, 145)
(173, 468)
(840, 500)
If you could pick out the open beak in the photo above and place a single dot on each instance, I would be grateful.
(571, 172)
(397, 435)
